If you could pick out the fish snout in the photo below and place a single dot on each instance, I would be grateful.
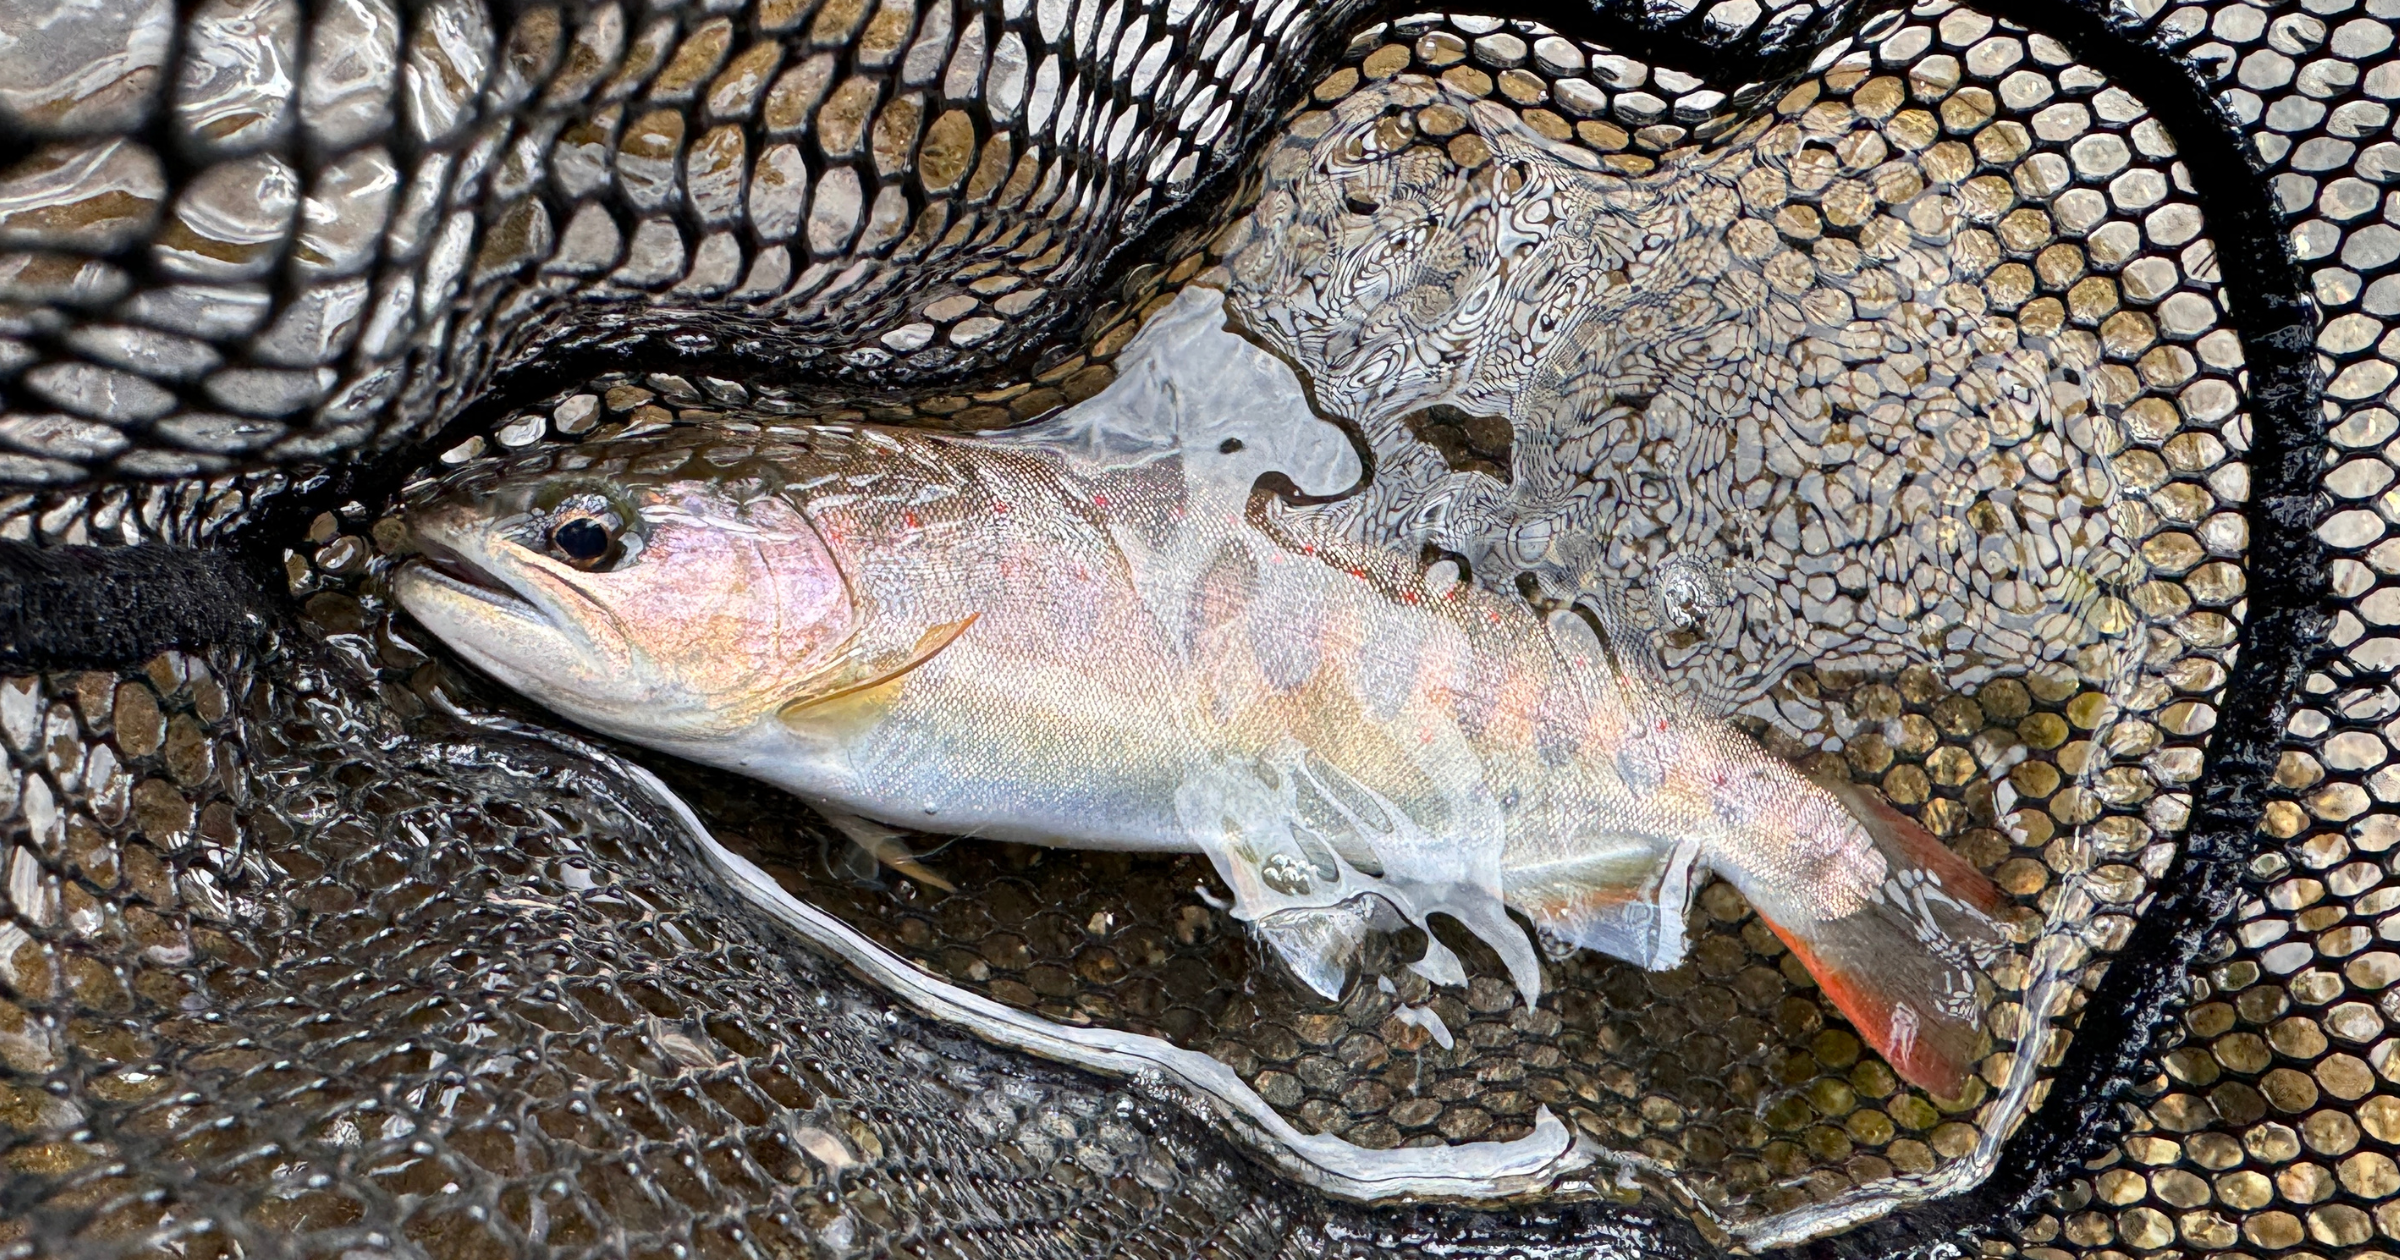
(458, 582)
(448, 540)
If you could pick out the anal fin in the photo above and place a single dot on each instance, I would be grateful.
(1623, 896)
(1319, 946)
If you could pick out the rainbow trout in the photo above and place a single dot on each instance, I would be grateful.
(1123, 636)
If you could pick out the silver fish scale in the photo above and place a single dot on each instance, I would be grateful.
(2267, 1115)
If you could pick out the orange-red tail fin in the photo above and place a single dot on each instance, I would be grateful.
(1899, 836)
(1904, 967)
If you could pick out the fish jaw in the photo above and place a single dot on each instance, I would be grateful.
(499, 633)
(477, 595)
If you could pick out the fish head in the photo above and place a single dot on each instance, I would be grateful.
(661, 597)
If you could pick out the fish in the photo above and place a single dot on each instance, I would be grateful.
(1105, 639)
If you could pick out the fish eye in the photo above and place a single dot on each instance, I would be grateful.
(581, 540)
(587, 526)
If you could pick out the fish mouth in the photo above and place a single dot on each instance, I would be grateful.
(455, 571)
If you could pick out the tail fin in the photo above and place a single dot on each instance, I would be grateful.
(1903, 967)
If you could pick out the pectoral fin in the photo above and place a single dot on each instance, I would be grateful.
(870, 678)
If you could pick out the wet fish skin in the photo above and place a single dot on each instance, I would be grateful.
(963, 637)
(711, 615)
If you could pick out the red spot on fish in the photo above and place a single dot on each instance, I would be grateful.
(914, 523)
(1000, 506)
(1099, 500)
(1662, 726)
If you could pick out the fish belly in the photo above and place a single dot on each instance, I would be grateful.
(1012, 746)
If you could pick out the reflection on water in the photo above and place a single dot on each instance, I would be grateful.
(1838, 454)
(1862, 420)
(1865, 422)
